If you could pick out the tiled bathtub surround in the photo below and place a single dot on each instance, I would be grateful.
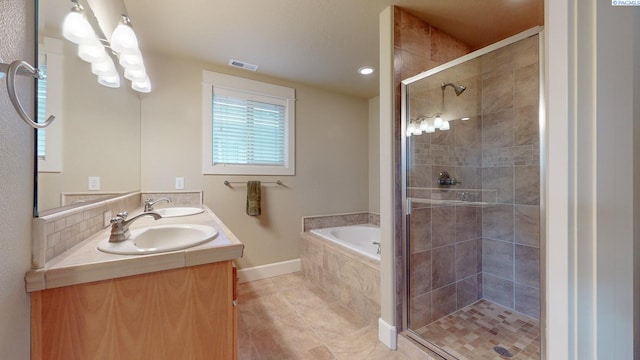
(325, 221)
(352, 279)
(57, 232)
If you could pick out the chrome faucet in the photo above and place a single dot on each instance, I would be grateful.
(148, 203)
(120, 226)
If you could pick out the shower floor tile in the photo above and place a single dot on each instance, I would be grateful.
(473, 331)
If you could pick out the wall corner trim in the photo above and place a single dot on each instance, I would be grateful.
(387, 334)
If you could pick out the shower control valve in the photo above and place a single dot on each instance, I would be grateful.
(446, 180)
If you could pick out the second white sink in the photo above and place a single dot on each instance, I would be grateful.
(161, 238)
(178, 211)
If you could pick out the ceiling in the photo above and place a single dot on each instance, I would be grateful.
(316, 42)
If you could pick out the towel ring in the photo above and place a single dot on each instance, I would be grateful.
(12, 70)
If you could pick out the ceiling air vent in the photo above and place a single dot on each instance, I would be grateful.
(243, 65)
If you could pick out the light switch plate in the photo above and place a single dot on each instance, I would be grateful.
(94, 183)
(179, 183)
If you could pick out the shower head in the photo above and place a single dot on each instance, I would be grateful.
(459, 89)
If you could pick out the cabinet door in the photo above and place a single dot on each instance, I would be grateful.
(183, 313)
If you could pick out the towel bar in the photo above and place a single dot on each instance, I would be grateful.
(228, 183)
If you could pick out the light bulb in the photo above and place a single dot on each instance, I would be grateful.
(142, 85)
(464, 118)
(445, 125)
(109, 80)
(437, 122)
(123, 38)
(76, 28)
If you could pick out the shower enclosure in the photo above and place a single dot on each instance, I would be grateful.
(471, 203)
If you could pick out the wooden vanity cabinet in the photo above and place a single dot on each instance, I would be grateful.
(185, 313)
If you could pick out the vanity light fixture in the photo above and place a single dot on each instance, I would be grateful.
(366, 70)
(427, 124)
(124, 44)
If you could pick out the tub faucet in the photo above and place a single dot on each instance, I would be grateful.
(148, 203)
(120, 226)
(377, 243)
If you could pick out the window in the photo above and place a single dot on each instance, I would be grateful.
(41, 95)
(49, 102)
(248, 127)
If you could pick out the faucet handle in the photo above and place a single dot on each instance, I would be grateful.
(120, 217)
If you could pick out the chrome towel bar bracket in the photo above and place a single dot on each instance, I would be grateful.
(11, 70)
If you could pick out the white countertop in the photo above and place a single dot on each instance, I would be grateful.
(85, 263)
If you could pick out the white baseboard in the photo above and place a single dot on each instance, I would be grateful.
(387, 334)
(269, 270)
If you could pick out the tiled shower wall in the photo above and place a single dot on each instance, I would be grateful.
(510, 164)
(418, 47)
(461, 254)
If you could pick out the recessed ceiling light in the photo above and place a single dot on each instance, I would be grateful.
(366, 70)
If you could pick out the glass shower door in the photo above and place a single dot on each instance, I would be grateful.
(471, 203)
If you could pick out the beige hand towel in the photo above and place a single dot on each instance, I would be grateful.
(253, 198)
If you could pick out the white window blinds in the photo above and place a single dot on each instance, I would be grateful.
(248, 126)
(41, 93)
(248, 129)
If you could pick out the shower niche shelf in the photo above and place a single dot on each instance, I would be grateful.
(452, 197)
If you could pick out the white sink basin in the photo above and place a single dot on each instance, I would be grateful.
(162, 238)
(178, 211)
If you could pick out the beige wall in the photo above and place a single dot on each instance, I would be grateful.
(101, 135)
(374, 155)
(16, 169)
(331, 158)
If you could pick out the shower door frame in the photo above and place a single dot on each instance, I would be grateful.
(406, 205)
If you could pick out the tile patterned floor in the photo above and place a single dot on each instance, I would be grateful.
(288, 317)
(472, 332)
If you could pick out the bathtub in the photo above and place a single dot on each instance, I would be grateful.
(358, 238)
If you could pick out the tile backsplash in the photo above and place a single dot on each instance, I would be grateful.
(325, 221)
(54, 233)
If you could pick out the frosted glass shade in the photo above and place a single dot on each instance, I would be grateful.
(135, 74)
(133, 60)
(103, 67)
(92, 52)
(109, 80)
(124, 40)
(77, 29)
(437, 122)
(142, 85)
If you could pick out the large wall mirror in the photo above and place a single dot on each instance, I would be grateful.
(92, 150)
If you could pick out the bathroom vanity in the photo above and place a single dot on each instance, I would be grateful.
(86, 304)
